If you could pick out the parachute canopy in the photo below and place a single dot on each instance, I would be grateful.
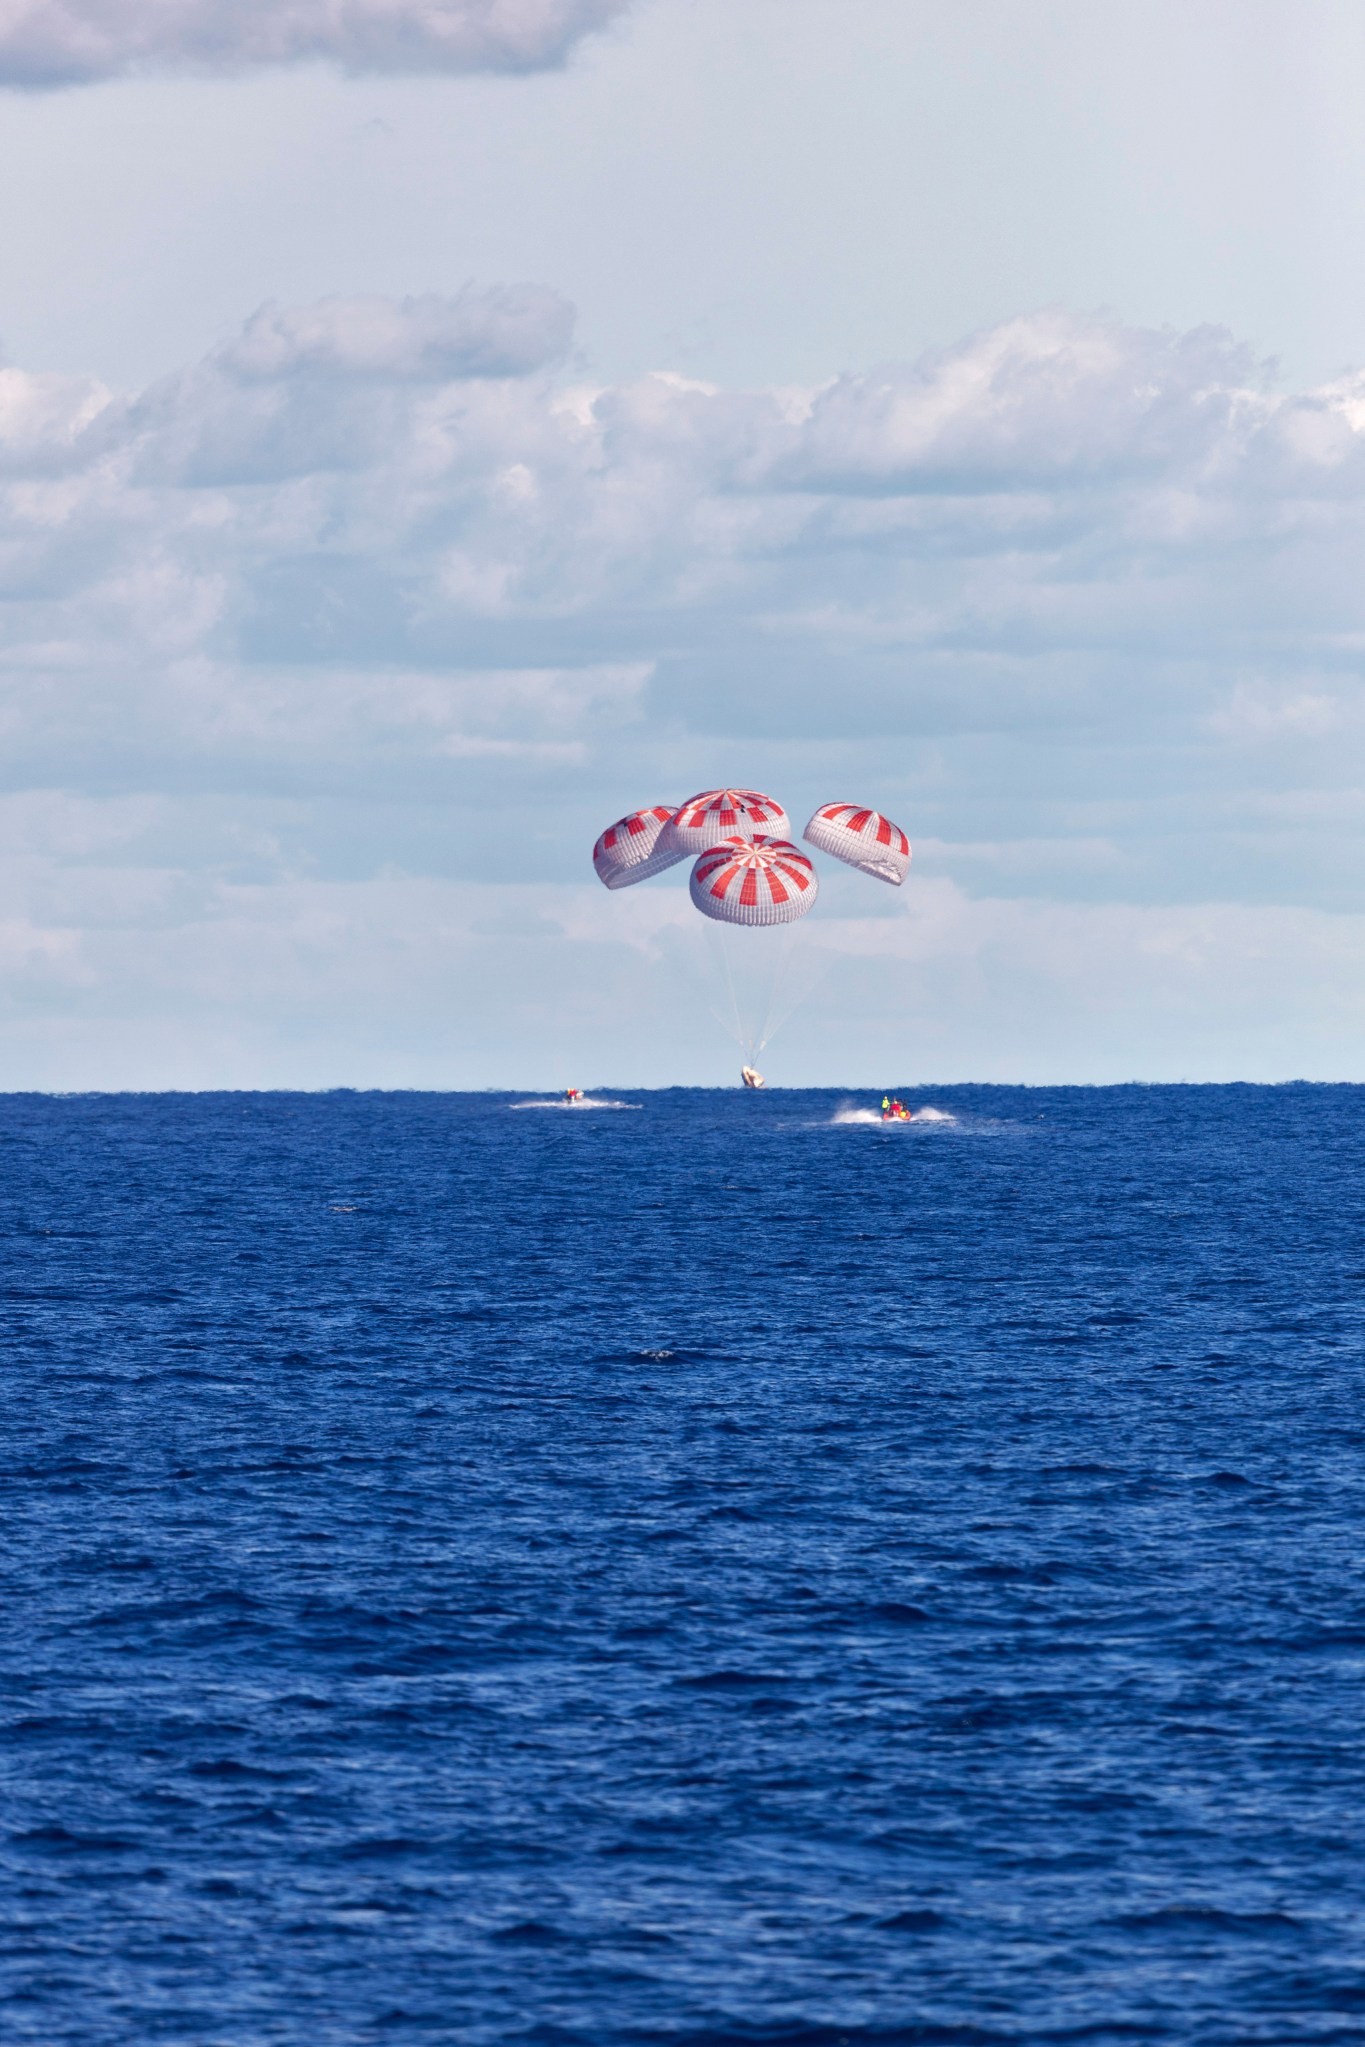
(754, 881)
(718, 814)
(862, 838)
(748, 877)
(631, 850)
(774, 890)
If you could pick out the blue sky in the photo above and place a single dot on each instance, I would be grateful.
(428, 431)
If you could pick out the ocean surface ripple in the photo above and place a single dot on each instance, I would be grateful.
(720, 1574)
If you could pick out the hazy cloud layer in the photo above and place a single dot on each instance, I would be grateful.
(67, 42)
(338, 647)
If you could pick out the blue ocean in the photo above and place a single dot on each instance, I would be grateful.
(709, 1570)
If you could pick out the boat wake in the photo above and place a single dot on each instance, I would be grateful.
(873, 1119)
(583, 1102)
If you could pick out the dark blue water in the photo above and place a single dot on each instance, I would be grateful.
(700, 1574)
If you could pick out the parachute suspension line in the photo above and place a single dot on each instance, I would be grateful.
(717, 938)
(728, 965)
(786, 998)
(728, 1024)
(742, 1032)
(769, 1029)
(802, 992)
(761, 980)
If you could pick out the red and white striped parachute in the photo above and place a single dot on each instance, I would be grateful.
(863, 838)
(726, 814)
(754, 881)
(635, 847)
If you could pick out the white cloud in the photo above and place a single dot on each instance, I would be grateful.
(372, 599)
(43, 417)
(1035, 402)
(1255, 713)
(65, 42)
(501, 333)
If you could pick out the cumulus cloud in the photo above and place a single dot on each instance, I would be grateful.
(43, 417)
(427, 340)
(1036, 402)
(381, 596)
(68, 42)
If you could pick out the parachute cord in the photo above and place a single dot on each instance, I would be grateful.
(822, 962)
(783, 999)
(763, 1032)
(728, 1025)
(745, 1021)
(801, 995)
(736, 1028)
(768, 1029)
